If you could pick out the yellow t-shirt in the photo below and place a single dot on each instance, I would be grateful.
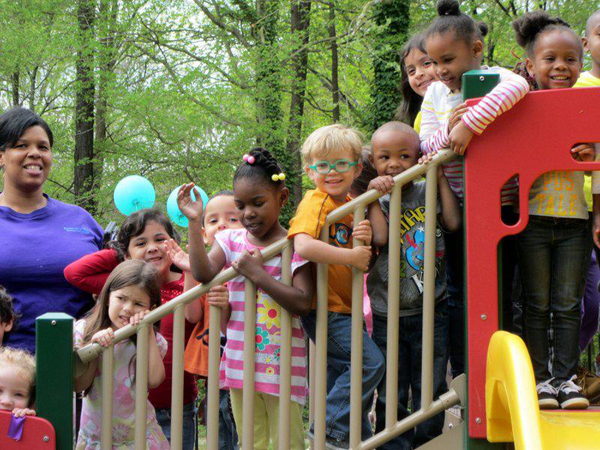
(309, 219)
(586, 79)
(417, 124)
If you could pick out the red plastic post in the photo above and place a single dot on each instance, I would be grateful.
(532, 138)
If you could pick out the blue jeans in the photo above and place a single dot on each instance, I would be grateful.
(338, 373)
(228, 438)
(410, 348)
(553, 256)
(163, 417)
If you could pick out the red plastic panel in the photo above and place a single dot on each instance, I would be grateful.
(532, 138)
(37, 434)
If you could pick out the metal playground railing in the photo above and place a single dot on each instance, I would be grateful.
(318, 352)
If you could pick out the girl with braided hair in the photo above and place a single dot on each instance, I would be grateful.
(554, 249)
(259, 194)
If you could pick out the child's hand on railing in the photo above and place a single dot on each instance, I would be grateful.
(137, 317)
(249, 264)
(190, 208)
(22, 412)
(460, 136)
(383, 184)
(360, 257)
(178, 257)
(218, 296)
(456, 115)
(363, 232)
(104, 337)
(426, 159)
(584, 152)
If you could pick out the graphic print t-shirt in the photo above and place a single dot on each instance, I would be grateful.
(412, 257)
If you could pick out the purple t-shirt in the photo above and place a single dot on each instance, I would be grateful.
(34, 250)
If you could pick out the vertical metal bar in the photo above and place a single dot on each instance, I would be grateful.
(320, 395)
(177, 388)
(285, 365)
(108, 363)
(141, 386)
(54, 374)
(312, 373)
(394, 240)
(214, 359)
(249, 350)
(429, 287)
(356, 355)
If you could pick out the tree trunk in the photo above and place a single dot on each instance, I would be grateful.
(84, 109)
(32, 87)
(300, 21)
(392, 19)
(15, 88)
(335, 85)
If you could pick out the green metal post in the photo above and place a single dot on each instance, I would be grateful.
(475, 84)
(54, 378)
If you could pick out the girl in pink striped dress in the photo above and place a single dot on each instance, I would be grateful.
(259, 194)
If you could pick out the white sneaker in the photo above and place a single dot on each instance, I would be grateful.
(570, 397)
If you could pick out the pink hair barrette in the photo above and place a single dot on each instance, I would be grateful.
(249, 159)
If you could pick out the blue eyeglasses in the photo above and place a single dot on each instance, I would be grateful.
(340, 166)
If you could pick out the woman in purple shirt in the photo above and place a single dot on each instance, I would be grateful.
(39, 235)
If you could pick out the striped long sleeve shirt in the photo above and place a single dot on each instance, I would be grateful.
(437, 107)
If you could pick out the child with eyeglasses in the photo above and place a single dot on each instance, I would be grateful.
(332, 158)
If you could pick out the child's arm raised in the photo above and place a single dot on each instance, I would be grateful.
(204, 266)
(90, 272)
(297, 299)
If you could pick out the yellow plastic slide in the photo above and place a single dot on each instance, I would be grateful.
(512, 410)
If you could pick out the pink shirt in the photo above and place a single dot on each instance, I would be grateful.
(268, 328)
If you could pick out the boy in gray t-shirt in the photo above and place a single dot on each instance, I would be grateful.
(395, 148)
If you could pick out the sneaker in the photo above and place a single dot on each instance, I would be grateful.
(590, 385)
(570, 397)
(547, 395)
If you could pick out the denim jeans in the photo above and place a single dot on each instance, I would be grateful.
(338, 373)
(228, 438)
(410, 348)
(553, 258)
(163, 417)
(454, 243)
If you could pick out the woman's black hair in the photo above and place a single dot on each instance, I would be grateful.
(135, 225)
(263, 167)
(530, 26)
(450, 18)
(14, 123)
(408, 110)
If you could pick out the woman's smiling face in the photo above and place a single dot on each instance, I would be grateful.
(27, 162)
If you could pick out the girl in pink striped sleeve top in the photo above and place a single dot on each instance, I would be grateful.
(259, 194)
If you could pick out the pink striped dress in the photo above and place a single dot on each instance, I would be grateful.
(437, 108)
(267, 331)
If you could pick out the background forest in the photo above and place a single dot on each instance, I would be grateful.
(179, 90)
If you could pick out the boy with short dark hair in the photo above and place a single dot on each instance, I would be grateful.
(332, 159)
(395, 148)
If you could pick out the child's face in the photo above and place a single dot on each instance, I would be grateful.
(452, 57)
(124, 303)
(556, 63)
(336, 184)
(5, 327)
(14, 388)
(258, 204)
(220, 214)
(393, 152)
(149, 247)
(420, 71)
(591, 41)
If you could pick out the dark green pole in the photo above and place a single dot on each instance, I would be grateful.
(54, 378)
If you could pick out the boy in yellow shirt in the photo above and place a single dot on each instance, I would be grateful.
(332, 159)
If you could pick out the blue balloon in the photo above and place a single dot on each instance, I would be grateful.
(173, 210)
(134, 193)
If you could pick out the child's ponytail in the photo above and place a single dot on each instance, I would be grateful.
(451, 18)
(260, 163)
